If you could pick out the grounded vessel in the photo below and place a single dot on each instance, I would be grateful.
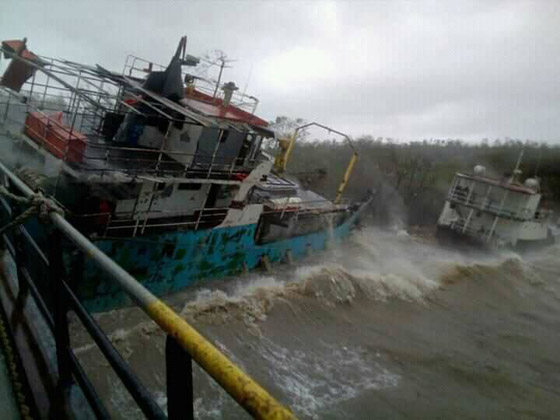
(163, 170)
(481, 210)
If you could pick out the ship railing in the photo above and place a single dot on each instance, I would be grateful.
(117, 158)
(84, 93)
(89, 92)
(140, 68)
(105, 158)
(295, 209)
(490, 206)
(84, 117)
(84, 96)
(137, 223)
(75, 89)
(41, 293)
(143, 221)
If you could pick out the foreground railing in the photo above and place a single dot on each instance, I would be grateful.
(45, 279)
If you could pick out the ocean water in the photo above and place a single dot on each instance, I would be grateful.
(387, 325)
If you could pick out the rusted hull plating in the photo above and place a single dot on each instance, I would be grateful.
(170, 262)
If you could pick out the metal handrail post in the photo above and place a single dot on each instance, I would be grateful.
(138, 392)
(45, 91)
(20, 263)
(6, 110)
(62, 336)
(257, 401)
(30, 98)
(179, 381)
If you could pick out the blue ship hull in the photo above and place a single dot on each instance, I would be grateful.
(169, 262)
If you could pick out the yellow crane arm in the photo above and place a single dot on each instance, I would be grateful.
(346, 177)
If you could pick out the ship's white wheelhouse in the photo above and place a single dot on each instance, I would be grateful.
(494, 211)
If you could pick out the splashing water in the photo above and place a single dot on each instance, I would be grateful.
(387, 325)
(324, 376)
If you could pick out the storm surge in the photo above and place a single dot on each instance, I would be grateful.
(387, 325)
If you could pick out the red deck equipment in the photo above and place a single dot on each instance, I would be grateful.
(59, 139)
(214, 107)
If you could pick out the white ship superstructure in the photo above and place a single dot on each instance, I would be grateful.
(499, 212)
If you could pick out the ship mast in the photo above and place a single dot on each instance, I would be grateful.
(516, 170)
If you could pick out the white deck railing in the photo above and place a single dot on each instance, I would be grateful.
(140, 221)
(490, 206)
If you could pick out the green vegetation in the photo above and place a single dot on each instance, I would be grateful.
(410, 179)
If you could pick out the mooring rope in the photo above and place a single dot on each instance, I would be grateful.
(11, 361)
(38, 205)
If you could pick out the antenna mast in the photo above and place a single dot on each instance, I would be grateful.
(223, 64)
(517, 171)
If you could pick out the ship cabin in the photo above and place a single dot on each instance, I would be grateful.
(150, 173)
(494, 210)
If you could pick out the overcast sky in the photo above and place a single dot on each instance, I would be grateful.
(408, 70)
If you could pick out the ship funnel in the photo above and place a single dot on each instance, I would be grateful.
(228, 89)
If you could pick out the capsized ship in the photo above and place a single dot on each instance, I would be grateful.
(164, 170)
(504, 213)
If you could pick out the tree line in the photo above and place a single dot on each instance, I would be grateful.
(410, 178)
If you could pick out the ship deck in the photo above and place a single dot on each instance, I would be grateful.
(276, 184)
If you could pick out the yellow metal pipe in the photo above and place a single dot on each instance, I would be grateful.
(251, 396)
(258, 402)
(281, 159)
(346, 177)
(289, 150)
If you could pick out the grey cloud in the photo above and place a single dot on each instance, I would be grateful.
(411, 70)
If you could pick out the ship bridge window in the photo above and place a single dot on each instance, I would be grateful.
(255, 147)
(185, 137)
(166, 189)
(223, 136)
(190, 186)
(245, 147)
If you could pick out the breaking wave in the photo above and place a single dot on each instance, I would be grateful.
(386, 321)
(331, 284)
(377, 266)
